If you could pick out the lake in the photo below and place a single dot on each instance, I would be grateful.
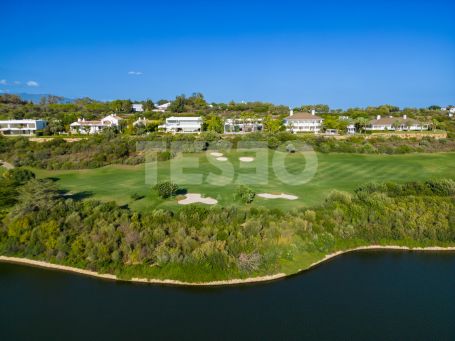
(362, 295)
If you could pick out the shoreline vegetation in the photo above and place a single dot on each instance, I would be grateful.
(236, 281)
(217, 245)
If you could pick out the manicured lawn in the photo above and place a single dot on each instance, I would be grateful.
(334, 171)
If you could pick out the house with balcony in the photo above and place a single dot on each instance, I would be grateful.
(22, 127)
(94, 127)
(303, 122)
(243, 125)
(391, 123)
(175, 124)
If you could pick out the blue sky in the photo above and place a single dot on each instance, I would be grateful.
(342, 53)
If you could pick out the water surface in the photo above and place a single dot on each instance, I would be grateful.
(363, 295)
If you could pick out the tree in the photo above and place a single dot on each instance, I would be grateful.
(149, 105)
(396, 124)
(178, 105)
(120, 105)
(272, 125)
(11, 99)
(19, 176)
(361, 123)
(54, 127)
(166, 189)
(331, 122)
(197, 101)
(321, 108)
(214, 123)
(246, 194)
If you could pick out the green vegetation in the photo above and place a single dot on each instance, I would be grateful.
(203, 244)
(246, 194)
(92, 204)
(343, 172)
(166, 189)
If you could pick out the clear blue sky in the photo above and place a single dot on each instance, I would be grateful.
(342, 53)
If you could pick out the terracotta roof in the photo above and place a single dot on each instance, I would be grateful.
(385, 121)
(303, 116)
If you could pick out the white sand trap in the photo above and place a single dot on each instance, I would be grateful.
(277, 196)
(216, 154)
(221, 158)
(192, 198)
(246, 159)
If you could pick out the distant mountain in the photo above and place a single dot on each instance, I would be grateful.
(35, 98)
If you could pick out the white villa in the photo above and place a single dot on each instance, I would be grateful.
(22, 127)
(93, 127)
(303, 122)
(396, 124)
(162, 107)
(350, 129)
(138, 107)
(182, 125)
(242, 125)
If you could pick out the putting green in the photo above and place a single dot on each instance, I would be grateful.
(202, 173)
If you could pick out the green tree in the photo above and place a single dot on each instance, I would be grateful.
(149, 105)
(178, 105)
(197, 101)
(166, 189)
(246, 194)
(272, 125)
(213, 123)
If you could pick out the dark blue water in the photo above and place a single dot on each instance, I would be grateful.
(358, 296)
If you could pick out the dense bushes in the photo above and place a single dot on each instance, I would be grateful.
(245, 194)
(94, 152)
(198, 243)
(166, 189)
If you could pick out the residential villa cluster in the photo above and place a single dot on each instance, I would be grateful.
(299, 122)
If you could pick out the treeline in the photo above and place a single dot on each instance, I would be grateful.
(200, 244)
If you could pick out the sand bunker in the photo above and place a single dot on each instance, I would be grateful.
(277, 196)
(192, 198)
(246, 159)
(222, 158)
(216, 154)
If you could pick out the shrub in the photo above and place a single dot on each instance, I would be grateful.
(246, 194)
(19, 176)
(166, 189)
(164, 156)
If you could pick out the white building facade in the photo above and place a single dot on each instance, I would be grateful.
(350, 129)
(396, 124)
(182, 125)
(94, 127)
(22, 127)
(162, 107)
(138, 107)
(303, 122)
